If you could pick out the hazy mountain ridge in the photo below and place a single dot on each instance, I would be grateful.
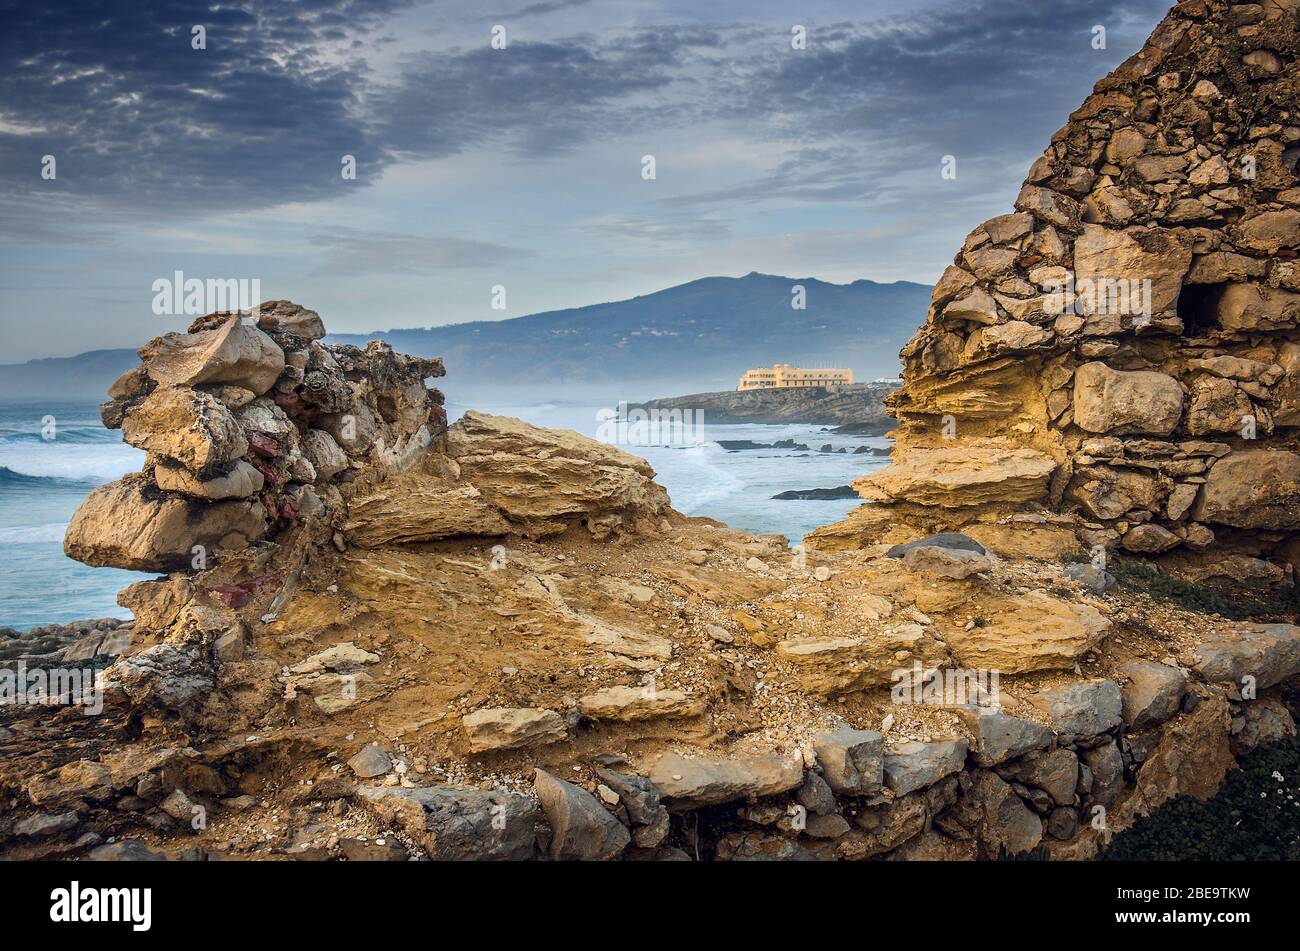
(704, 333)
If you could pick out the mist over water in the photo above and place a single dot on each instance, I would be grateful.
(43, 480)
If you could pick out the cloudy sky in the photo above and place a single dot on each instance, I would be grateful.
(519, 167)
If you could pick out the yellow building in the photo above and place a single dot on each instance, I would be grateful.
(784, 375)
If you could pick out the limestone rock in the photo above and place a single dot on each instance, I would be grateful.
(459, 824)
(185, 425)
(1081, 709)
(959, 476)
(241, 481)
(1037, 632)
(130, 524)
(1268, 652)
(999, 737)
(325, 455)
(1116, 402)
(704, 781)
(852, 761)
(946, 562)
(834, 665)
(628, 704)
(507, 728)
(532, 473)
(581, 828)
(287, 317)
(1152, 695)
(420, 508)
(1258, 488)
(235, 353)
(915, 765)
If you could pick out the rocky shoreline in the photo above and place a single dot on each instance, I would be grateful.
(860, 405)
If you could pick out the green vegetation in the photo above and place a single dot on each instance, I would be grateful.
(1249, 601)
(1254, 817)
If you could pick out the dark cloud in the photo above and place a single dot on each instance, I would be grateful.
(134, 115)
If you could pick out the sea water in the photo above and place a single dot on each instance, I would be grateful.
(53, 454)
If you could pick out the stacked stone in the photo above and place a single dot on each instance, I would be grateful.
(250, 423)
(1173, 426)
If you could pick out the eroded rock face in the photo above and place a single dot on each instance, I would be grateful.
(1143, 300)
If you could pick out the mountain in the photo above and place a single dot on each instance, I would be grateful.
(703, 334)
(85, 376)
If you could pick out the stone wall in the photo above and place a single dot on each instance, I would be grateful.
(1119, 357)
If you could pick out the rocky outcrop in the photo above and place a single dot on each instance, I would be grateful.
(1122, 350)
(860, 405)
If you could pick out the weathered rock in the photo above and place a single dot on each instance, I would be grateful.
(852, 761)
(1153, 693)
(628, 704)
(508, 728)
(1056, 772)
(324, 454)
(1037, 632)
(287, 317)
(914, 765)
(235, 353)
(828, 666)
(240, 482)
(173, 678)
(1269, 653)
(370, 762)
(41, 824)
(1268, 721)
(1257, 488)
(185, 425)
(704, 781)
(1005, 825)
(1114, 401)
(459, 824)
(946, 562)
(130, 524)
(999, 737)
(581, 828)
(956, 477)
(1149, 539)
(951, 540)
(1081, 709)
(417, 508)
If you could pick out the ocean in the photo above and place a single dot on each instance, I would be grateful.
(53, 454)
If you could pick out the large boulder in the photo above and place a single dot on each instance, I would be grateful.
(1268, 652)
(1119, 402)
(1152, 694)
(235, 353)
(581, 828)
(1081, 709)
(531, 473)
(417, 507)
(188, 426)
(1036, 632)
(709, 780)
(970, 474)
(1258, 488)
(852, 761)
(131, 524)
(1110, 264)
(914, 765)
(999, 737)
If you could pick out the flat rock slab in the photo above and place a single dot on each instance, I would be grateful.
(706, 781)
(509, 728)
(953, 540)
(1268, 652)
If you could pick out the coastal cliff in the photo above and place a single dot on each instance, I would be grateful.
(860, 405)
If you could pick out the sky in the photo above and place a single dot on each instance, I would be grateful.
(522, 167)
